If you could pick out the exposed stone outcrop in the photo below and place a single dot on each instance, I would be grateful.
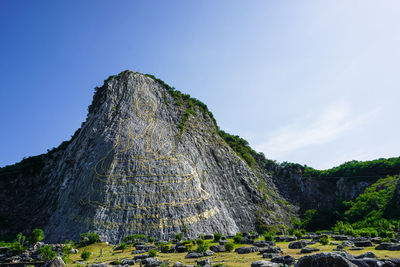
(144, 161)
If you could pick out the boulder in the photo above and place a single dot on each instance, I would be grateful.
(204, 263)
(288, 260)
(57, 262)
(141, 257)
(376, 240)
(128, 262)
(363, 243)
(366, 262)
(270, 250)
(308, 250)
(356, 248)
(223, 242)
(324, 260)
(261, 244)
(298, 244)
(208, 253)
(181, 249)
(208, 237)
(145, 247)
(340, 237)
(367, 254)
(218, 248)
(264, 264)
(138, 251)
(178, 264)
(247, 241)
(98, 265)
(384, 246)
(347, 243)
(246, 250)
(152, 262)
(270, 255)
(193, 255)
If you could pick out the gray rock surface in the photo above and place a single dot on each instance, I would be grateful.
(323, 260)
(140, 165)
(57, 262)
(298, 244)
(246, 250)
(288, 260)
(264, 264)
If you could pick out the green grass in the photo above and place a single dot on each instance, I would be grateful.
(226, 258)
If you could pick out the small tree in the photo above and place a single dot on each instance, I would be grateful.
(152, 253)
(85, 255)
(93, 238)
(237, 239)
(229, 246)
(324, 240)
(217, 237)
(298, 234)
(202, 248)
(36, 236)
(178, 236)
(151, 239)
(47, 253)
(123, 246)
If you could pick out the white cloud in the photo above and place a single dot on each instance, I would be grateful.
(318, 129)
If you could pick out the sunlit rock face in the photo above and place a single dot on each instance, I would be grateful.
(132, 170)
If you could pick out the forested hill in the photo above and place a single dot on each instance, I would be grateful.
(374, 168)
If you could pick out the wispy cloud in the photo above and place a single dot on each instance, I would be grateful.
(331, 122)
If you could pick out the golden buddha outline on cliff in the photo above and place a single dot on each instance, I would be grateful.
(144, 158)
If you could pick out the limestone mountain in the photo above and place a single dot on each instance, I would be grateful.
(148, 159)
(152, 160)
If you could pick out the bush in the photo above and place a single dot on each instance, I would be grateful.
(298, 234)
(85, 255)
(36, 236)
(386, 234)
(202, 248)
(269, 236)
(229, 246)
(165, 247)
(200, 241)
(324, 240)
(152, 253)
(122, 246)
(217, 237)
(133, 238)
(151, 239)
(178, 236)
(93, 238)
(291, 231)
(47, 253)
(237, 238)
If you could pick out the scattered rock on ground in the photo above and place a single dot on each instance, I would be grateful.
(324, 259)
(245, 250)
(288, 260)
(57, 262)
(309, 250)
(298, 244)
(264, 264)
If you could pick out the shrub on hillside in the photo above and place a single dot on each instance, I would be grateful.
(47, 253)
(152, 253)
(85, 255)
(217, 237)
(229, 246)
(36, 236)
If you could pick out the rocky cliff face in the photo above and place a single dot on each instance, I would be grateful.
(144, 162)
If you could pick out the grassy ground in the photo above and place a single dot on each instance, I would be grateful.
(226, 258)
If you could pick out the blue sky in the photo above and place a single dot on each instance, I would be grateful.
(312, 82)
